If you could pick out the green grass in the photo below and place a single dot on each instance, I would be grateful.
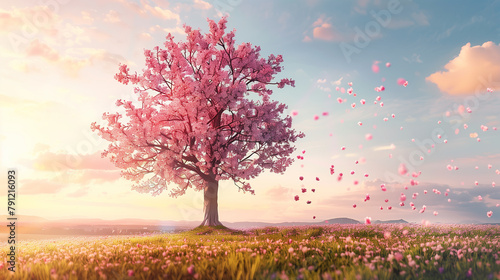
(308, 252)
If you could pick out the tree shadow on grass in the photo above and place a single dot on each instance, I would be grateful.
(215, 230)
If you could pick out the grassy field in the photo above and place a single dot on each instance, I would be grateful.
(319, 252)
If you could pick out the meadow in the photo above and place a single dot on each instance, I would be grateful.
(309, 252)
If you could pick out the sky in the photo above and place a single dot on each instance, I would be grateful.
(59, 58)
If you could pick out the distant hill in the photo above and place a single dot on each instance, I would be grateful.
(25, 219)
(34, 224)
(341, 221)
(400, 221)
(107, 222)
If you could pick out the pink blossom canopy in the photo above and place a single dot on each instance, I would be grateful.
(204, 114)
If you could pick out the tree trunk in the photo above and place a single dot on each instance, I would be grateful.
(210, 208)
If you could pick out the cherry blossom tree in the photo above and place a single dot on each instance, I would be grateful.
(203, 115)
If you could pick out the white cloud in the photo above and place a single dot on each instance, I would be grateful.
(112, 17)
(384, 148)
(337, 82)
(163, 13)
(417, 18)
(420, 18)
(145, 35)
(173, 30)
(414, 58)
(86, 18)
(475, 68)
(202, 5)
(71, 61)
(16, 19)
(323, 30)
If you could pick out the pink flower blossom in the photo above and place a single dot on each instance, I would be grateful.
(402, 197)
(402, 169)
(398, 256)
(190, 269)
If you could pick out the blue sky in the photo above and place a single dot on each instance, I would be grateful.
(59, 62)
